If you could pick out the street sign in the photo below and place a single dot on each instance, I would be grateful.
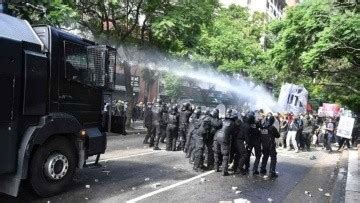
(345, 127)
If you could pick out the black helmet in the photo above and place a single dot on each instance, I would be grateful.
(214, 113)
(250, 118)
(159, 101)
(207, 112)
(269, 120)
(228, 113)
(234, 115)
(174, 108)
(187, 105)
(197, 112)
(206, 123)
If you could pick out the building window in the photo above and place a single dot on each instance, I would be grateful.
(135, 81)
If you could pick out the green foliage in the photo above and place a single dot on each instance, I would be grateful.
(318, 44)
(179, 28)
(172, 86)
(232, 41)
(56, 12)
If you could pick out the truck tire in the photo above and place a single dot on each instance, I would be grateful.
(52, 167)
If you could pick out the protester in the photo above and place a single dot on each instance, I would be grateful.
(330, 129)
(293, 130)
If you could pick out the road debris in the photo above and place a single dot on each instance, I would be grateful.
(156, 185)
(313, 157)
(105, 171)
(147, 179)
(202, 180)
(307, 192)
(327, 194)
(133, 188)
(86, 198)
(241, 200)
(270, 199)
(96, 180)
(320, 189)
(87, 186)
(237, 192)
(234, 188)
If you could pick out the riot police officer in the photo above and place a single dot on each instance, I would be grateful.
(201, 134)
(185, 114)
(222, 143)
(268, 135)
(216, 124)
(254, 142)
(148, 122)
(193, 126)
(238, 144)
(172, 129)
(157, 121)
(164, 124)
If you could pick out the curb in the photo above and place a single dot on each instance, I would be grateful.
(133, 132)
(352, 190)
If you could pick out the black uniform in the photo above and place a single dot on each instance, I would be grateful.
(185, 114)
(222, 144)
(254, 143)
(238, 145)
(201, 134)
(172, 130)
(148, 123)
(164, 124)
(306, 133)
(216, 124)
(194, 124)
(157, 121)
(268, 135)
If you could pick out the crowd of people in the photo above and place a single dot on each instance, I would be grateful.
(226, 144)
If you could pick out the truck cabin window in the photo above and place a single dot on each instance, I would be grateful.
(76, 63)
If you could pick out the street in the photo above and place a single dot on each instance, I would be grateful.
(132, 172)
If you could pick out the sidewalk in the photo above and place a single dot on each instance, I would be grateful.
(352, 190)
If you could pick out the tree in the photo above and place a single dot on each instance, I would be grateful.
(318, 44)
(172, 86)
(149, 77)
(56, 12)
(231, 43)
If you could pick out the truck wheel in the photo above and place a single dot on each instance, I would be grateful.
(52, 167)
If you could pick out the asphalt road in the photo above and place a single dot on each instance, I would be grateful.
(132, 172)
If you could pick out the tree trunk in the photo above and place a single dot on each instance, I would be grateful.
(129, 95)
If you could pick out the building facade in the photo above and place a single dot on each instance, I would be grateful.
(273, 8)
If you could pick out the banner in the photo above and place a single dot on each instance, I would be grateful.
(332, 110)
(293, 98)
(345, 127)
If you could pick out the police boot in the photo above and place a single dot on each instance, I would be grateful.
(256, 172)
(225, 173)
(263, 171)
(198, 169)
(273, 175)
(156, 148)
(225, 166)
